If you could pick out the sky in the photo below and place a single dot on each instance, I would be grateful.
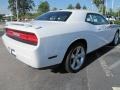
(62, 4)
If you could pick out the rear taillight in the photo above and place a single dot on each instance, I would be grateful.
(25, 37)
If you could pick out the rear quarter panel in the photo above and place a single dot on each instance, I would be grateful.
(55, 41)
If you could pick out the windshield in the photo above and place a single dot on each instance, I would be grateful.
(54, 16)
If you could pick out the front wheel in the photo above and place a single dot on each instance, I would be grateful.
(75, 58)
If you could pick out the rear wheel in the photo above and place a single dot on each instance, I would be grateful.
(116, 39)
(75, 58)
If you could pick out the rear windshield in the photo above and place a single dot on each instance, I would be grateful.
(54, 16)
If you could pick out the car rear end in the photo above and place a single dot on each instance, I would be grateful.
(22, 41)
(37, 43)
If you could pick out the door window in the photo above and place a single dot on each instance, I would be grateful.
(96, 19)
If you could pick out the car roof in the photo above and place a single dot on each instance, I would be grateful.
(77, 14)
(76, 10)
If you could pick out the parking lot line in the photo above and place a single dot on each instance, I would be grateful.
(115, 65)
(118, 47)
(116, 88)
(106, 68)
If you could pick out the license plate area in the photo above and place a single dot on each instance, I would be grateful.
(12, 51)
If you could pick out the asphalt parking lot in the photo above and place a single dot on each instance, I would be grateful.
(101, 72)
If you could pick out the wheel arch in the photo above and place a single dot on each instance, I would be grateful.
(83, 41)
(118, 30)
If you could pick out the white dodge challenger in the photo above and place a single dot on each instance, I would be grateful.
(63, 36)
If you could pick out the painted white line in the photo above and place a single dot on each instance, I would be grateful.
(114, 65)
(116, 88)
(118, 47)
(106, 68)
(88, 84)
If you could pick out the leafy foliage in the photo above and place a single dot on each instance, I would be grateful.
(70, 6)
(102, 9)
(24, 6)
(100, 5)
(43, 7)
(117, 22)
(78, 6)
(98, 2)
(84, 7)
(54, 9)
(1, 17)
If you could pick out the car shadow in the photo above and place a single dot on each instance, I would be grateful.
(91, 57)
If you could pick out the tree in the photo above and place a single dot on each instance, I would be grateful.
(24, 6)
(54, 9)
(98, 3)
(1, 16)
(118, 13)
(78, 6)
(84, 7)
(12, 6)
(70, 6)
(102, 9)
(110, 12)
(43, 7)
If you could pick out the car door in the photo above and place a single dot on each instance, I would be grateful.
(102, 30)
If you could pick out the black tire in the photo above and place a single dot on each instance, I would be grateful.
(67, 59)
(114, 42)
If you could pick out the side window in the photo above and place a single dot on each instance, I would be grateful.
(96, 19)
(89, 18)
(99, 19)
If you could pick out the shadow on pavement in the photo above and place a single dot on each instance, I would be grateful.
(91, 57)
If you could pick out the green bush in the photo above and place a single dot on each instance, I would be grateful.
(117, 22)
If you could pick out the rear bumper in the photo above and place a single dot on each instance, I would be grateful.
(26, 53)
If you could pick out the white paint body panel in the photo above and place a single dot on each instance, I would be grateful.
(54, 38)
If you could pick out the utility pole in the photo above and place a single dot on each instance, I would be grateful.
(17, 10)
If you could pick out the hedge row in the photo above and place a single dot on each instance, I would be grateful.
(117, 22)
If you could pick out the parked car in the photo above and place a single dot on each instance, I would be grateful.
(63, 36)
(117, 18)
(110, 18)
